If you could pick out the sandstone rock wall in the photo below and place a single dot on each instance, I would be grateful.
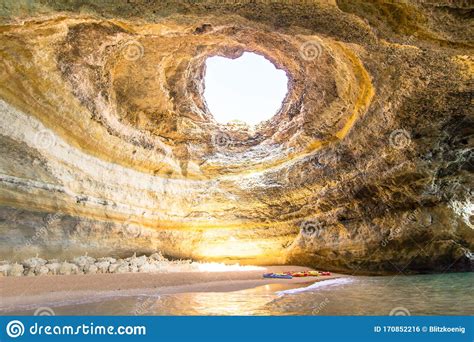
(108, 146)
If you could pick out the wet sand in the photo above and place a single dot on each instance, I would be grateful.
(22, 292)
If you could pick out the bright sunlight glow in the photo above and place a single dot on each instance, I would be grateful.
(219, 267)
(249, 88)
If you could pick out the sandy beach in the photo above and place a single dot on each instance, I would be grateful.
(21, 292)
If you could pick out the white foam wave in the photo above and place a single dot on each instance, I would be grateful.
(319, 284)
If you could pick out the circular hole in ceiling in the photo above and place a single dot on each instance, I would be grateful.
(248, 89)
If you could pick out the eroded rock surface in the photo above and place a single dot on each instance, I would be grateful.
(155, 263)
(108, 147)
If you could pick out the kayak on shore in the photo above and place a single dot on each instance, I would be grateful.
(290, 275)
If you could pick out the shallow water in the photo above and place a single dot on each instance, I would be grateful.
(443, 294)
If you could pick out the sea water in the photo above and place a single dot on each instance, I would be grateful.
(441, 294)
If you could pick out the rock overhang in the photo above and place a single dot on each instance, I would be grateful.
(129, 150)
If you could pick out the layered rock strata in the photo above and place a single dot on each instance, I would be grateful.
(108, 147)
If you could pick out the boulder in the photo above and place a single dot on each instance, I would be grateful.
(83, 261)
(91, 269)
(107, 259)
(16, 270)
(157, 257)
(5, 269)
(67, 268)
(34, 262)
(137, 262)
(102, 266)
(123, 268)
(53, 267)
(41, 270)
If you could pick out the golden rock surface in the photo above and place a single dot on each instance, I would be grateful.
(108, 147)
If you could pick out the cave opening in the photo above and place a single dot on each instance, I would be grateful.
(248, 89)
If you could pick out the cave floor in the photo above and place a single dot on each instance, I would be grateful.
(21, 293)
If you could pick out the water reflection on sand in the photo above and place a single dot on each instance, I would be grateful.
(444, 294)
